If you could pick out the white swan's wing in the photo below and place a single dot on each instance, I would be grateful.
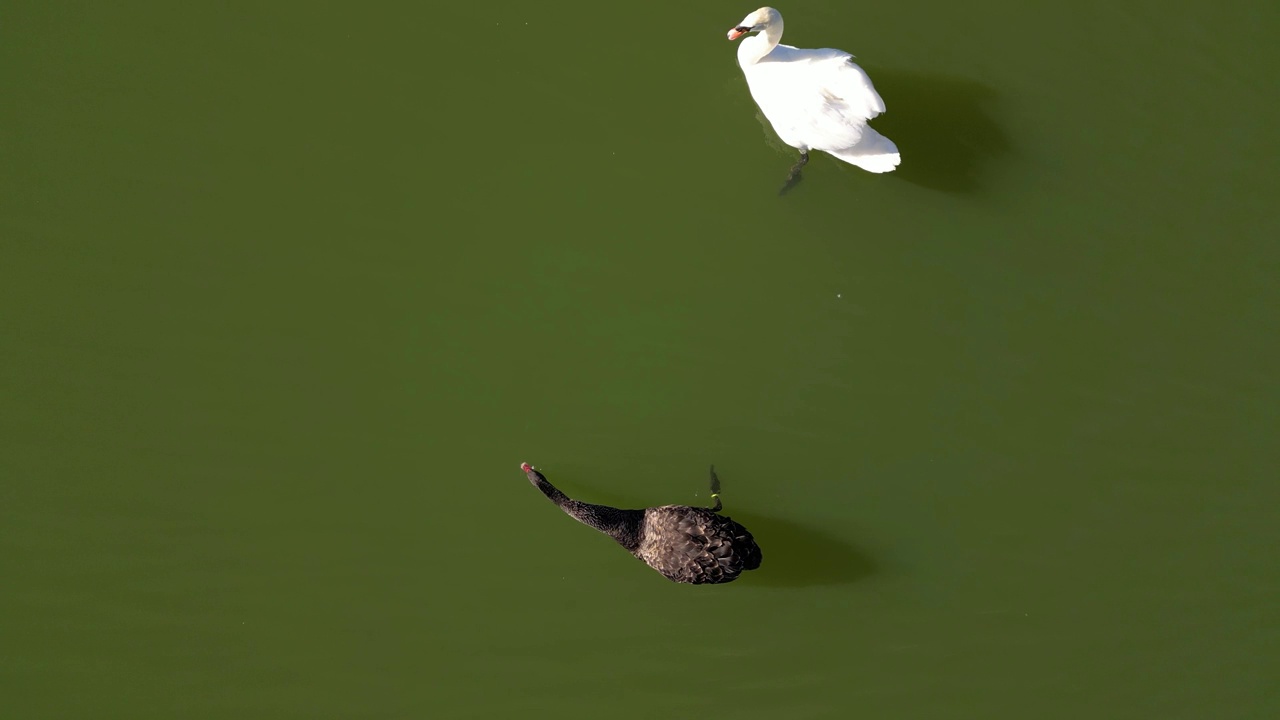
(873, 152)
(859, 102)
(821, 100)
(850, 83)
(815, 99)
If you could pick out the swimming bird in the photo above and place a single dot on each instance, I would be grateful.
(814, 99)
(692, 545)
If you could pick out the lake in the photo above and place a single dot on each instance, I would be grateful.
(289, 293)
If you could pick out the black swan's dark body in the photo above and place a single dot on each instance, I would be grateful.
(686, 544)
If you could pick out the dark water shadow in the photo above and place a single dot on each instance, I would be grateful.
(942, 125)
(798, 556)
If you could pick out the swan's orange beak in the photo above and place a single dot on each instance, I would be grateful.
(738, 32)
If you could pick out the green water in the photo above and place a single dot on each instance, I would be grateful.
(287, 294)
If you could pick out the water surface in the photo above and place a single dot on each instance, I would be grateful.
(289, 293)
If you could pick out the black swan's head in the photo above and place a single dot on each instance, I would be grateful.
(534, 475)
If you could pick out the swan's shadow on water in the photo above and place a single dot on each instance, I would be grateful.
(943, 127)
(797, 556)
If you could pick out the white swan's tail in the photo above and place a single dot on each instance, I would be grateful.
(873, 153)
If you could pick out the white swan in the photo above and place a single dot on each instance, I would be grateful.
(815, 99)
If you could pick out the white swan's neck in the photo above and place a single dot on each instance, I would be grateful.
(757, 46)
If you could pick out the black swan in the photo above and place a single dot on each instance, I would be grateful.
(686, 544)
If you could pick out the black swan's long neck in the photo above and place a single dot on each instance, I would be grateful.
(621, 525)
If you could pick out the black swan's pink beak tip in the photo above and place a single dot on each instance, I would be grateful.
(526, 467)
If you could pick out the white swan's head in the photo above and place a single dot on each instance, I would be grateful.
(757, 21)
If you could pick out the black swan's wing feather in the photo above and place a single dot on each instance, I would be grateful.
(696, 545)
